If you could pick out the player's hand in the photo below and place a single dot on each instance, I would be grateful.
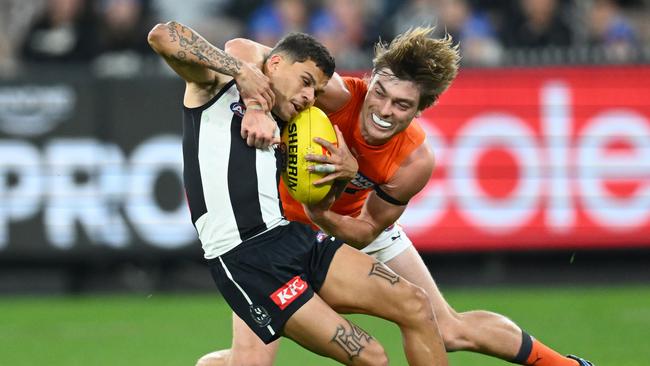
(339, 165)
(259, 129)
(316, 211)
(255, 87)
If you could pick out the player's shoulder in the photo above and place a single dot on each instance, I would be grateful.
(412, 174)
(200, 94)
(415, 133)
(422, 157)
(356, 86)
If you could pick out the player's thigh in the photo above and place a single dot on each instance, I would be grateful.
(410, 266)
(358, 283)
(248, 348)
(320, 329)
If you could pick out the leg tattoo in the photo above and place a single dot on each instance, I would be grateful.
(351, 339)
(379, 269)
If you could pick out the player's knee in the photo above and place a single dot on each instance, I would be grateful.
(372, 354)
(416, 306)
(254, 360)
(250, 356)
(218, 358)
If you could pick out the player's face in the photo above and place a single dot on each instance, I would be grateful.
(389, 107)
(295, 84)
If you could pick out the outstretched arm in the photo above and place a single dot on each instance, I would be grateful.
(377, 213)
(205, 67)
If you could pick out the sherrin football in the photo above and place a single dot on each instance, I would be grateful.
(298, 141)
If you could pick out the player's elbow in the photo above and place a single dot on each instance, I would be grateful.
(156, 36)
(243, 49)
(235, 45)
(362, 239)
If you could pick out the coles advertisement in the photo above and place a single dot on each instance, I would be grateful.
(538, 158)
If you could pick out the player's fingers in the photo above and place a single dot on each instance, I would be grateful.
(250, 140)
(328, 145)
(262, 142)
(244, 132)
(323, 168)
(317, 158)
(326, 179)
(275, 140)
(259, 144)
(339, 137)
(270, 99)
(266, 142)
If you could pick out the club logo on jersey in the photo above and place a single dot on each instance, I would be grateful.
(321, 236)
(286, 294)
(238, 108)
(260, 315)
(362, 182)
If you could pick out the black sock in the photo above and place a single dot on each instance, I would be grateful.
(524, 351)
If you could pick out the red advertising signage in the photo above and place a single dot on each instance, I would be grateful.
(538, 159)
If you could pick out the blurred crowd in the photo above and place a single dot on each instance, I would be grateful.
(109, 36)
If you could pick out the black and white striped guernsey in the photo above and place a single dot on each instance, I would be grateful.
(231, 188)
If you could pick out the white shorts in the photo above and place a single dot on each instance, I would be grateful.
(390, 243)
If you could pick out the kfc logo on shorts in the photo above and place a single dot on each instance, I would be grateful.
(289, 292)
(238, 109)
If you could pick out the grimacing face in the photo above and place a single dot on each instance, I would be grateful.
(389, 107)
(295, 84)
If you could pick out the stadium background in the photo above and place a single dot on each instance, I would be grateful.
(539, 207)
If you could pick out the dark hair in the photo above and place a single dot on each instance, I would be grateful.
(301, 47)
(430, 63)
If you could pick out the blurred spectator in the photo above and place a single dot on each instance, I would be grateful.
(473, 30)
(210, 18)
(412, 14)
(112, 38)
(610, 31)
(276, 18)
(537, 24)
(15, 17)
(122, 37)
(470, 28)
(341, 26)
(241, 9)
(63, 33)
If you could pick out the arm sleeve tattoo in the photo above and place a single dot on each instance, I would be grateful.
(194, 49)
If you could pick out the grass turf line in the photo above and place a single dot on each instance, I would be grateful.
(608, 325)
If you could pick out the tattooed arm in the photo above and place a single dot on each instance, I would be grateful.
(205, 67)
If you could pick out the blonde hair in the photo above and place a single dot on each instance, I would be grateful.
(431, 63)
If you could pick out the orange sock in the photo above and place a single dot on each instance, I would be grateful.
(534, 353)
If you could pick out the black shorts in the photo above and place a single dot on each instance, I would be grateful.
(267, 278)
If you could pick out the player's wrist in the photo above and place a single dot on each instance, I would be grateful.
(255, 107)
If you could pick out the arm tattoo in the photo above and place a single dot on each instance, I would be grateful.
(351, 339)
(380, 270)
(204, 53)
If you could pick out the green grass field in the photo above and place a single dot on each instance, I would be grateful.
(609, 325)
